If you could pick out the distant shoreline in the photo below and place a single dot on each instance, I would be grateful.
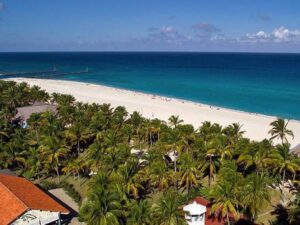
(155, 106)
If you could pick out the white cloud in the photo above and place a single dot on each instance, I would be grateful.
(203, 34)
(168, 29)
(284, 34)
(259, 36)
(262, 34)
(280, 34)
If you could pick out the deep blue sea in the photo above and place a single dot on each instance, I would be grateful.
(261, 83)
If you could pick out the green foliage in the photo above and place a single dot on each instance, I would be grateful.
(68, 188)
(166, 209)
(48, 185)
(280, 131)
(146, 169)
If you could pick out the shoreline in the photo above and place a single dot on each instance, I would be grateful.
(155, 106)
(181, 100)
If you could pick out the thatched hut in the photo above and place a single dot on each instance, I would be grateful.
(23, 113)
(296, 150)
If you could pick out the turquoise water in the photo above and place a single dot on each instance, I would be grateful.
(260, 83)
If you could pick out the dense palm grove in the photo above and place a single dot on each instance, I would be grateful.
(142, 171)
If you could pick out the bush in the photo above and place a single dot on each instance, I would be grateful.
(48, 185)
(29, 175)
(68, 188)
(71, 191)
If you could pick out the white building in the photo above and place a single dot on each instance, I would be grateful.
(195, 213)
(37, 217)
(23, 203)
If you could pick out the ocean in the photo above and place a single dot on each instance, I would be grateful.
(253, 82)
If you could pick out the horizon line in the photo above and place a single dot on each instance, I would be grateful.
(149, 51)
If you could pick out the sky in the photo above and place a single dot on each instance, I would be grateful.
(150, 25)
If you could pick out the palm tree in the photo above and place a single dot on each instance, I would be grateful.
(97, 123)
(12, 156)
(293, 209)
(279, 130)
(205, 131)
(115, 157)
(140, 212)
(36, 94)
(54, 150)
(224, 201)
(34, 123)
(63, 100)
(107, 112)
(234, 132)
(216, 153)
(229, 172)
(127, 176)
(175, 121)
(283, 162)
(187, 141)
(255, 159)
(256, 193)
(3, 133)
(34, 161)
(101, 179)
(188, 171)
(167, 209)
(119, 116)
(136, 121)
(103, 207)
(12, 97)
(4, 126)
(159, 174)
(151, 131)
(218, 148)
(94, 155)
(50, 125)
(173, 146)
(78, 132)
(210, 167)
(74, 166)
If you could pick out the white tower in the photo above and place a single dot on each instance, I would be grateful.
(195, 214)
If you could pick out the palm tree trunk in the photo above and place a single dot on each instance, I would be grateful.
(254, 215)
(57, 172)
(151, 139)
(175, 161)
(38, 174)
(227, 217)
(282, 189)
(36, 135)
(78, 146)
(209, 173)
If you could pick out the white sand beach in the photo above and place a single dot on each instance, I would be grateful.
(153, 106)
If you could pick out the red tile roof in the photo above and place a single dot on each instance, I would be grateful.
(209, 220)
(19, 195)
